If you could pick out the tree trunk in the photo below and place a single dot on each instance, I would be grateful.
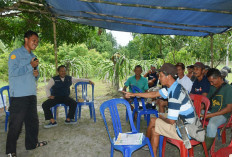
(211, 47)
(55, 42)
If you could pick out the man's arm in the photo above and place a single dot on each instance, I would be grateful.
(144, 95)
(169, 121)
(225, 110)
(16, 70)
(48, 88)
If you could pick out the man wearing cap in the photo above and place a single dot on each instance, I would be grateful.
(178, 104)
(201, 85)
(182, 78)
(152, 77)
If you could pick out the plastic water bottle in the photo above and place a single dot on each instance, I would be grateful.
(140, 104)
(153, 104)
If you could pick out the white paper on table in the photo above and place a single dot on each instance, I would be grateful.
(129, 139)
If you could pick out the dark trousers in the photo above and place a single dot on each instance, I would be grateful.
(59, 100)
(22, 109)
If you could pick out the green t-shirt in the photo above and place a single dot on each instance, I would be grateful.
(142, 83)
(221, 99)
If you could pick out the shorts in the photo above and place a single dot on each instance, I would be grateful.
(165, 129)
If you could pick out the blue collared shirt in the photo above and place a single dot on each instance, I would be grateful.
(22, 82)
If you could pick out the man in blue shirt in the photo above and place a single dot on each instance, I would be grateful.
(201, 85)
(178, 104)
(23, 73)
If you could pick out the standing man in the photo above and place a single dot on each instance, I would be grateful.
(23, 73)
(201, 85)
(58, 91)
(221, 104)
(178, 104)
(152, 77)
(182, 78)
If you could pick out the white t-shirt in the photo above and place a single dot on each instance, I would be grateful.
(186, 83)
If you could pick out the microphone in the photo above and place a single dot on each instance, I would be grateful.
(36, 66)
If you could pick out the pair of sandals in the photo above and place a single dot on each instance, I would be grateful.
(39, 144)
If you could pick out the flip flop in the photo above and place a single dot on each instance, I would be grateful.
(40, 144)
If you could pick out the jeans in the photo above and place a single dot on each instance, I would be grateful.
(214, 123)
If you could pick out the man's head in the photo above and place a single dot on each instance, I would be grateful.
(206, 69)
(31, 40)
(153, 68)
(180, 69)
(215, 78)
(138, 70)
(224, 73)
(199, 69)
(190, 68)
(62, 71)
(167, 74)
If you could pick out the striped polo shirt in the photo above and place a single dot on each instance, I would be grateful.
(178, 103)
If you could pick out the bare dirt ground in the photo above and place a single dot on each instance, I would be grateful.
(86, 138)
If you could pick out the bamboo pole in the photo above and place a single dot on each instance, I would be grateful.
(211, 47)
(55, 42)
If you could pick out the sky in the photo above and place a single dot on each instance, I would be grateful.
(122, 38)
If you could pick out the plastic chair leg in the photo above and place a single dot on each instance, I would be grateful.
(126, 116)
(55, 110)
(148, 119)
(191, 152)
(66, 111)
(76, 114)
(205, 149)
(90, 111)
(79, 111)
(183, 151)
(223, 137)
(112, 151)
(163, 146)
(138, 121)
(161, 139)
(6, 122)
(218, 132)
(94, 115)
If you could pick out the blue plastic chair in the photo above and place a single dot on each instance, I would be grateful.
(127, 150)
(144, 111)
(84, 91)
(4, 103)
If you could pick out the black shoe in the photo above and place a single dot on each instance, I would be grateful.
(50, 125)
(70, 122)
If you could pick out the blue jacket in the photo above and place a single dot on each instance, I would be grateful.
(22, 82)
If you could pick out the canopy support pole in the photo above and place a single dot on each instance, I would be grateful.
(211, 48)
(55, 42)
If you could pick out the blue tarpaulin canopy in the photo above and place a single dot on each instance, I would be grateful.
(167, 17)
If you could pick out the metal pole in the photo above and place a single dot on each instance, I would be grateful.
(55, 42)
(212, 57)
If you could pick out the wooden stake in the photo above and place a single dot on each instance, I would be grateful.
(55, 42)
(212, 57)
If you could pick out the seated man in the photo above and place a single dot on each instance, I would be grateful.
(138, 81)
(152, 77)
(201, 85)
(58, 91)
(221, 104)
(182, 78)
(178, 104)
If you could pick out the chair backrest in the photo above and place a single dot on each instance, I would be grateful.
(136, 101)
(198, 100)
(2, 97)
(84, 90)
(112, 105)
